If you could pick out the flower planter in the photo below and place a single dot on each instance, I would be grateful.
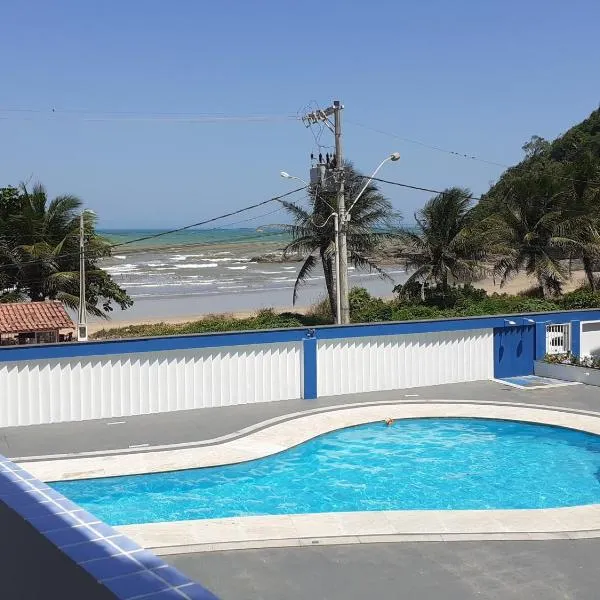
(567, 372)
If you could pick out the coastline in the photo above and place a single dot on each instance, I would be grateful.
(517, 285)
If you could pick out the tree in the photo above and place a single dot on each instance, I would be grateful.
(445, 246)
(313, 232)
(582, 210)
(39, 251)
(530, 229)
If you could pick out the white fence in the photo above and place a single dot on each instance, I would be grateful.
(77, 389)
(590, 338)
(389, 362)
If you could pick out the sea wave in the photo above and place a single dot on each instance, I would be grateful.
(236, 268)
(180, 257)
(117, 269)
(197, 266)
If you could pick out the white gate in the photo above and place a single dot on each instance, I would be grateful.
(558, 339)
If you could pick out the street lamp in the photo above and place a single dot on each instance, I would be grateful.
(342, 243)
(288, 176)
(336, 224)
(393, 157)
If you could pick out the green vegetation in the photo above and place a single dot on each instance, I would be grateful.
(458, 301)
(445, 246)
(546, 210)
(589, 362)
(39, 252)
(264, 319)
(313, 232)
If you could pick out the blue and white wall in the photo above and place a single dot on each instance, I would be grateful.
(105, 379)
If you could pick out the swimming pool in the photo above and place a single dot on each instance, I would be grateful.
(433, 463)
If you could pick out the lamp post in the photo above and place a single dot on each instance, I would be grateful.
(344, 220)
(336, 224)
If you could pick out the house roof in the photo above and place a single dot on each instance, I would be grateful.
(21, 317)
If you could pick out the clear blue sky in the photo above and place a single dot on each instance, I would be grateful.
(473, 76)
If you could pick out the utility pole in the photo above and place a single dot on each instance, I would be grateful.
(341, 253)
(342, 276)
(82, 316)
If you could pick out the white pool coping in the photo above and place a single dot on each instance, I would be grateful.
(322, 528)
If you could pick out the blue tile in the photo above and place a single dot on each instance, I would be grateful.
(196, 592)
(39, 485)
(115, 566)
(105, 530)
(148, 559)
(21, 498)
(22, 472)
(52, 522)
(52, 494)
(136, 584)
(85, 516)
(15, 487)
(73, 535)
(165, 595)
(125, 543)
(39, 509)
(10, 475)
(171, 575)
(67, 504)
(95, 550)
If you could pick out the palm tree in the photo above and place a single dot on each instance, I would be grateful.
(530, 230)
(445, 246)
(313, 232)
(582, 211)
(39, 252)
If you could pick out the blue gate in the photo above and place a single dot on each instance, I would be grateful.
(514, 351)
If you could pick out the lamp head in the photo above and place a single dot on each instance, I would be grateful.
(395, 156)
(285, 175)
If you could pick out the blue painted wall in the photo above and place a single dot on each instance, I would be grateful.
(514, 350)
(518, 341)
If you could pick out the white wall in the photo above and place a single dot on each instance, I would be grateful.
(76, 389)
(590, 338)
(401, 361)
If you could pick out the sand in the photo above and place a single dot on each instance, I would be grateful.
(516, 285)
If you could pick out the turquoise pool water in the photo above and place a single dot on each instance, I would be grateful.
(413, 464)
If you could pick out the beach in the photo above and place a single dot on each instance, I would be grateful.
(236, 272)
(183, 277)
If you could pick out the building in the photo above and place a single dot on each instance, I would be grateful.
(34, 323)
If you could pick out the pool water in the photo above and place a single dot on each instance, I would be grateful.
(444, 463)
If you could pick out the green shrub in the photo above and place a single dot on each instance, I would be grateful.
(581, 298)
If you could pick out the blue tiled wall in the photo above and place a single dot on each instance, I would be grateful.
(112, 559)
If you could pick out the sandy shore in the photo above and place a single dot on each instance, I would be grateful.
(518, 284)
(244, 314)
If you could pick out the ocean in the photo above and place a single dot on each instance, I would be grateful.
(200, 271)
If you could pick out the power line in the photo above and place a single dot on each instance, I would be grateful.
(411, 187)
(430, 146)
(91, 115)
(169, 232)
(216, 242)
(206, 221)
(457, 154)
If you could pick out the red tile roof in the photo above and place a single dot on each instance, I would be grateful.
(20, 317)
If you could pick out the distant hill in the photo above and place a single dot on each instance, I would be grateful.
(579, 147)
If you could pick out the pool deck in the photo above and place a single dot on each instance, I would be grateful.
(338, 566)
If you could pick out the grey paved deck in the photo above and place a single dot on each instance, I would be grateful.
(207, 423)
(559, 569)
(545, 570)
